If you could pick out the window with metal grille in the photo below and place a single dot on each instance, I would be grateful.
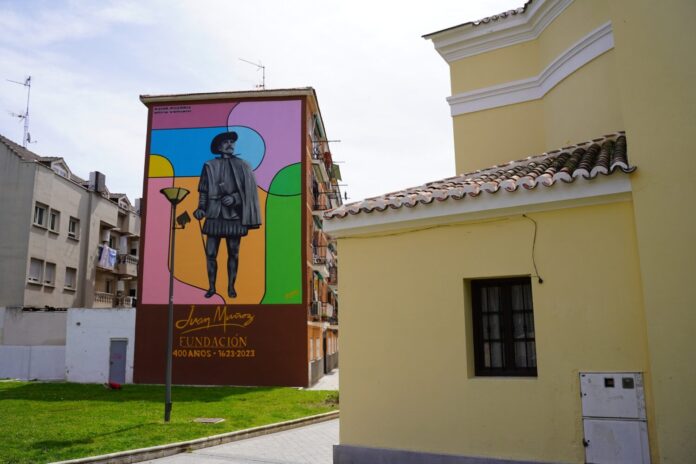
(503, 316)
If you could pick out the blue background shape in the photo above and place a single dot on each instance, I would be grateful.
(188, 149)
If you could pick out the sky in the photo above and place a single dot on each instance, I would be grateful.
(381, 87)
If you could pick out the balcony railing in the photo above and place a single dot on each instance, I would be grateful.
(327, 311)
(127, 259)
(321, 202)
(104, 300)
(125, 302)
(333, 276)
(319, 254)
(315, 309)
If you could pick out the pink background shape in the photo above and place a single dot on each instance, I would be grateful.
(156, 253)
(279, 123)
(201, 115)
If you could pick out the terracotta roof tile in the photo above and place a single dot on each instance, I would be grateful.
(586, 161)
(488, 19)
(503, 15)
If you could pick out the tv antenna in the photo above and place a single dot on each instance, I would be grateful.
(25, 115)
(263, 72)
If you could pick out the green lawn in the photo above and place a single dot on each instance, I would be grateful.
(44, 422)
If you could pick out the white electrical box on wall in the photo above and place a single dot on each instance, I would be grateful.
(614, 418)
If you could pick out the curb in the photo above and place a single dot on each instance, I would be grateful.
(161, 451)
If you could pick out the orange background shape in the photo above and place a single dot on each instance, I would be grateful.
(190, 266)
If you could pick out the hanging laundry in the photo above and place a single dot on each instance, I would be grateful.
(113, 255)
(107, 257)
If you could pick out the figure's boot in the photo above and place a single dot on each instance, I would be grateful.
(211, 265)
(232, 277)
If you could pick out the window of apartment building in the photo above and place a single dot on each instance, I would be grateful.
(74, 228)
(35, 271)
(311, 349)
(40, 214)
(504, 338)
(58, 169)
(317, 346)
(54, 220)
(109, 286)
(50, 274)
(70, 278)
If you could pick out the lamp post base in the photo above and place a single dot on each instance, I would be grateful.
(167, 411)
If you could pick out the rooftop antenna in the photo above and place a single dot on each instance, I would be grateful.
(25, 115)
(263, 72)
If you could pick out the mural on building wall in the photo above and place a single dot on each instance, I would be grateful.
(241, 161)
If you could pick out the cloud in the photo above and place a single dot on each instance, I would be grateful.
(381, 87)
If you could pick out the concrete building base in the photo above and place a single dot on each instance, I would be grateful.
(347, 454)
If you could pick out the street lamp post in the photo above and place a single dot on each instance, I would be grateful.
(175, 195)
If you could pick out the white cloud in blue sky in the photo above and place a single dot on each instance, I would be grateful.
(381, 87)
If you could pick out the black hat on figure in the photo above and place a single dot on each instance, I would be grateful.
(218, 139)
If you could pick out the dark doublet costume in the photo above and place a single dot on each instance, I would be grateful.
(229, 199)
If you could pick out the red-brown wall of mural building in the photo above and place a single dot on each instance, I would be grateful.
(240, 292)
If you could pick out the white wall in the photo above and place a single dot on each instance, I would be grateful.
(89, 333)
(32, 362)
(2, 323)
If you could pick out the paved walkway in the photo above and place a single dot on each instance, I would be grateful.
(312, 444)
(328, 382)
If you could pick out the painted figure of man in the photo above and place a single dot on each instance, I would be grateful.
(229, 202)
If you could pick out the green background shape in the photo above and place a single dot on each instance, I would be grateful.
(284, 237)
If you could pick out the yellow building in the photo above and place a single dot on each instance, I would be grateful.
(503, 314)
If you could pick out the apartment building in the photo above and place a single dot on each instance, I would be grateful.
(324, 195)
(65, 241)
(271, 312)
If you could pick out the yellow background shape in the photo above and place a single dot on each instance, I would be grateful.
(190, 264)
(160, 167)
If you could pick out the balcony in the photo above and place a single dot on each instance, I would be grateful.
(315, 310)
(127, 265)
(320, 204)
(333, 277)
(131, 224)
(322, 163)
(124, 302)
(319, 260)
(109, 300)
(322, 311)
(327, 311)
(104, 300)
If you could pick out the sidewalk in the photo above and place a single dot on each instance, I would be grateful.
(328, 382)
(312, 444)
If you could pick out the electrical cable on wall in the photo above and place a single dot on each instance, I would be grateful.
(541, 281)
